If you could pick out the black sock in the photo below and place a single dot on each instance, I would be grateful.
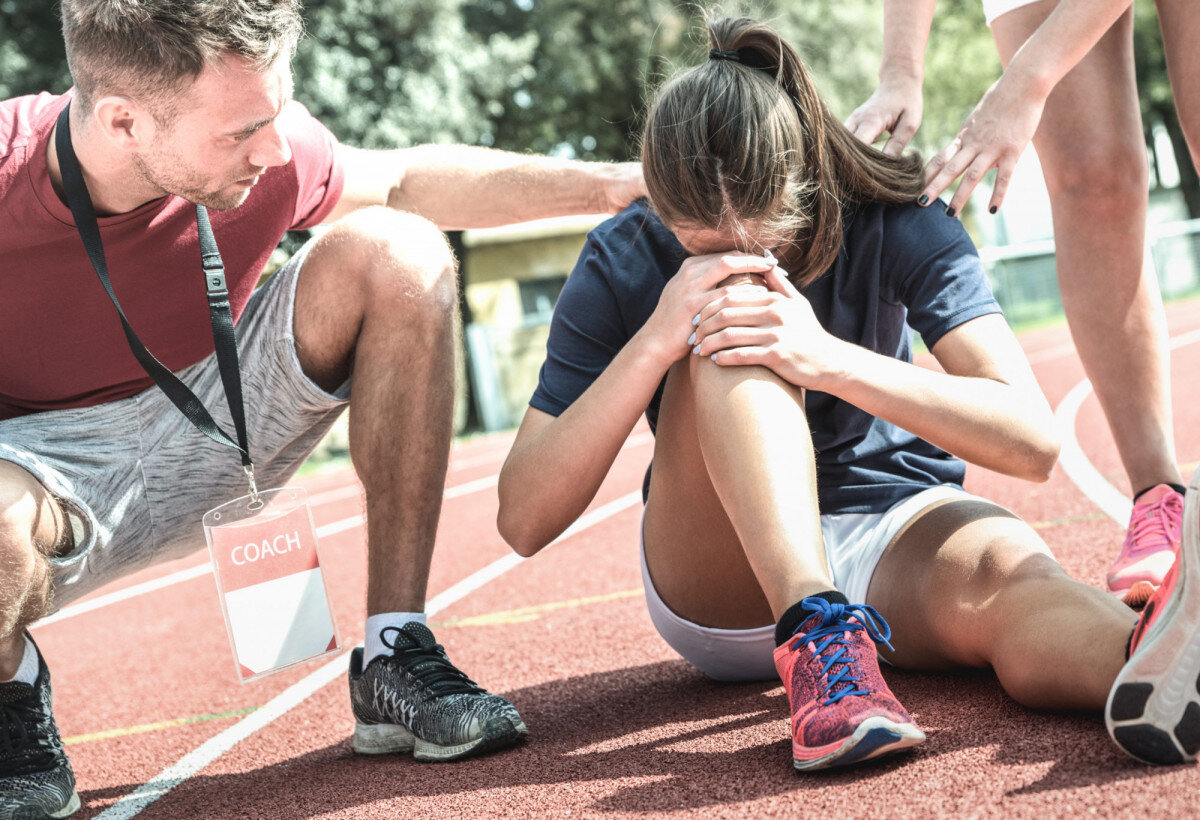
(796, 615)
(1179, 488)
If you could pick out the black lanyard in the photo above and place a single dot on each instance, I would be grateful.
(80, 203)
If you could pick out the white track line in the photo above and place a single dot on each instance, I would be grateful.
(191, 763)
(1111, 501)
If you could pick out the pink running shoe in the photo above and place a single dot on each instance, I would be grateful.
(1150, 546)
(1153, 709)
(842, 710)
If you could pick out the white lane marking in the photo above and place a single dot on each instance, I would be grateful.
(133, 803)
(1111, 501)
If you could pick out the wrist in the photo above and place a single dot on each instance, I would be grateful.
(650, 353)
(907, 70)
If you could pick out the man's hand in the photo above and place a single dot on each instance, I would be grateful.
(620, 184)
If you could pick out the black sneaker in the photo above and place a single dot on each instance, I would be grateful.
(36, 780)
(415, 700)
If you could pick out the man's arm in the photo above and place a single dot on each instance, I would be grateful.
(458, 187)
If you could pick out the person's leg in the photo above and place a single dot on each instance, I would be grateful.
(1098, 192)
(32, 528)
(732, 531)
(732, 540)
(968, 584)
(376, 304)
(1180, 23)
(36, 779)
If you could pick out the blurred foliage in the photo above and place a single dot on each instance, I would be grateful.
(571, 78)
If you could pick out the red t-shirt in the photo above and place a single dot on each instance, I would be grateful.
(61, 343)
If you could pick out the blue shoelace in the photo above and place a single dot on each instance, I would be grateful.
(834, 625)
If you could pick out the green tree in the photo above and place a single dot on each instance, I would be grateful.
(31, 49)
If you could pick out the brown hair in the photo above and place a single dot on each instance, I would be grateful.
(147, 49)
(745, 136)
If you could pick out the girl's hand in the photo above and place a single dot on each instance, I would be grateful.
(773, 327)
(993, 137)
(671, 328)
(895, 109)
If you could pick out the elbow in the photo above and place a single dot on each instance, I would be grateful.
(1040, 457)
(514, 527)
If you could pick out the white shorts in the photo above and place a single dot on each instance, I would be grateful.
(853, 544)
(994, 8)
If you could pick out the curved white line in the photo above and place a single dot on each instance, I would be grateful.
(1111, 501)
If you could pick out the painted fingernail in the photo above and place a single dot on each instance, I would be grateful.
(713, 357)
(696, 350)
(950, 212)
(992, 209)
(692, 338)
(923, 200)
(696, 319)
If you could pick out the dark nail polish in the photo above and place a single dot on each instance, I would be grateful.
(950, 212)
(923, 199)
(992, 209)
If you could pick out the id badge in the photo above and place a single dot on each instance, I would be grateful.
(268, 570)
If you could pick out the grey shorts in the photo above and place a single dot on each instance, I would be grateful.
(135, 477)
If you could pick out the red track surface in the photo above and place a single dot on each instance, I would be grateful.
(618, 724)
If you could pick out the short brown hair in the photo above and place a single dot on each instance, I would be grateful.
(146, 49)
(745, 136)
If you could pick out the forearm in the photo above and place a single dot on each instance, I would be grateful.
(460, 187)
(981, 420)
(1059, 43)
(549, 480)
(905, 34)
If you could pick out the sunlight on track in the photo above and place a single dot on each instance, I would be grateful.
(133, 803)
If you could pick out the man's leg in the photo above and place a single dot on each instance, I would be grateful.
(1098, 192)
(35, 774)
(733, 541)
(968, 584)
(376, 303)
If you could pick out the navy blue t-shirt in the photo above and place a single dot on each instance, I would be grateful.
(899, 266)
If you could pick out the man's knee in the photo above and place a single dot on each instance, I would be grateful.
(401, 257)
(32, 527)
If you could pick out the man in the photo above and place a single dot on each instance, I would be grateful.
(1069, 62)
(190, 102)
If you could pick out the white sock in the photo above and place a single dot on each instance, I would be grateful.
(373, 645)
(27, 672)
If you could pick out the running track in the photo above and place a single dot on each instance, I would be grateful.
(158, 727)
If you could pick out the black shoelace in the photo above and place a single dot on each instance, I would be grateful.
(429, 665)
(22, 750)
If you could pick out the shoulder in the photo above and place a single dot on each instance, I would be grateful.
(635, 242)
(21, 118)
(914, 228)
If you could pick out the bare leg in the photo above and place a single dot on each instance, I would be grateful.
(376, 303)
(1098, 192)
(732, 530)
(32, 527)
(1180, 23)
(967, 584)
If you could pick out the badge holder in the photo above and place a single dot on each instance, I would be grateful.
(269, 579)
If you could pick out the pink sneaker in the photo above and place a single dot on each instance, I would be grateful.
(842, 710)
(1150, 546)
(1153, 709)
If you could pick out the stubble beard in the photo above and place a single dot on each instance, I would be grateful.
(187, 184)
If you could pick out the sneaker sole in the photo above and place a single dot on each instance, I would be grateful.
(1153, 709)
(39, 813)
(380, 738)
(874, 737)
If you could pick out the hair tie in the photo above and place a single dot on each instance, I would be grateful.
(749, 57)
